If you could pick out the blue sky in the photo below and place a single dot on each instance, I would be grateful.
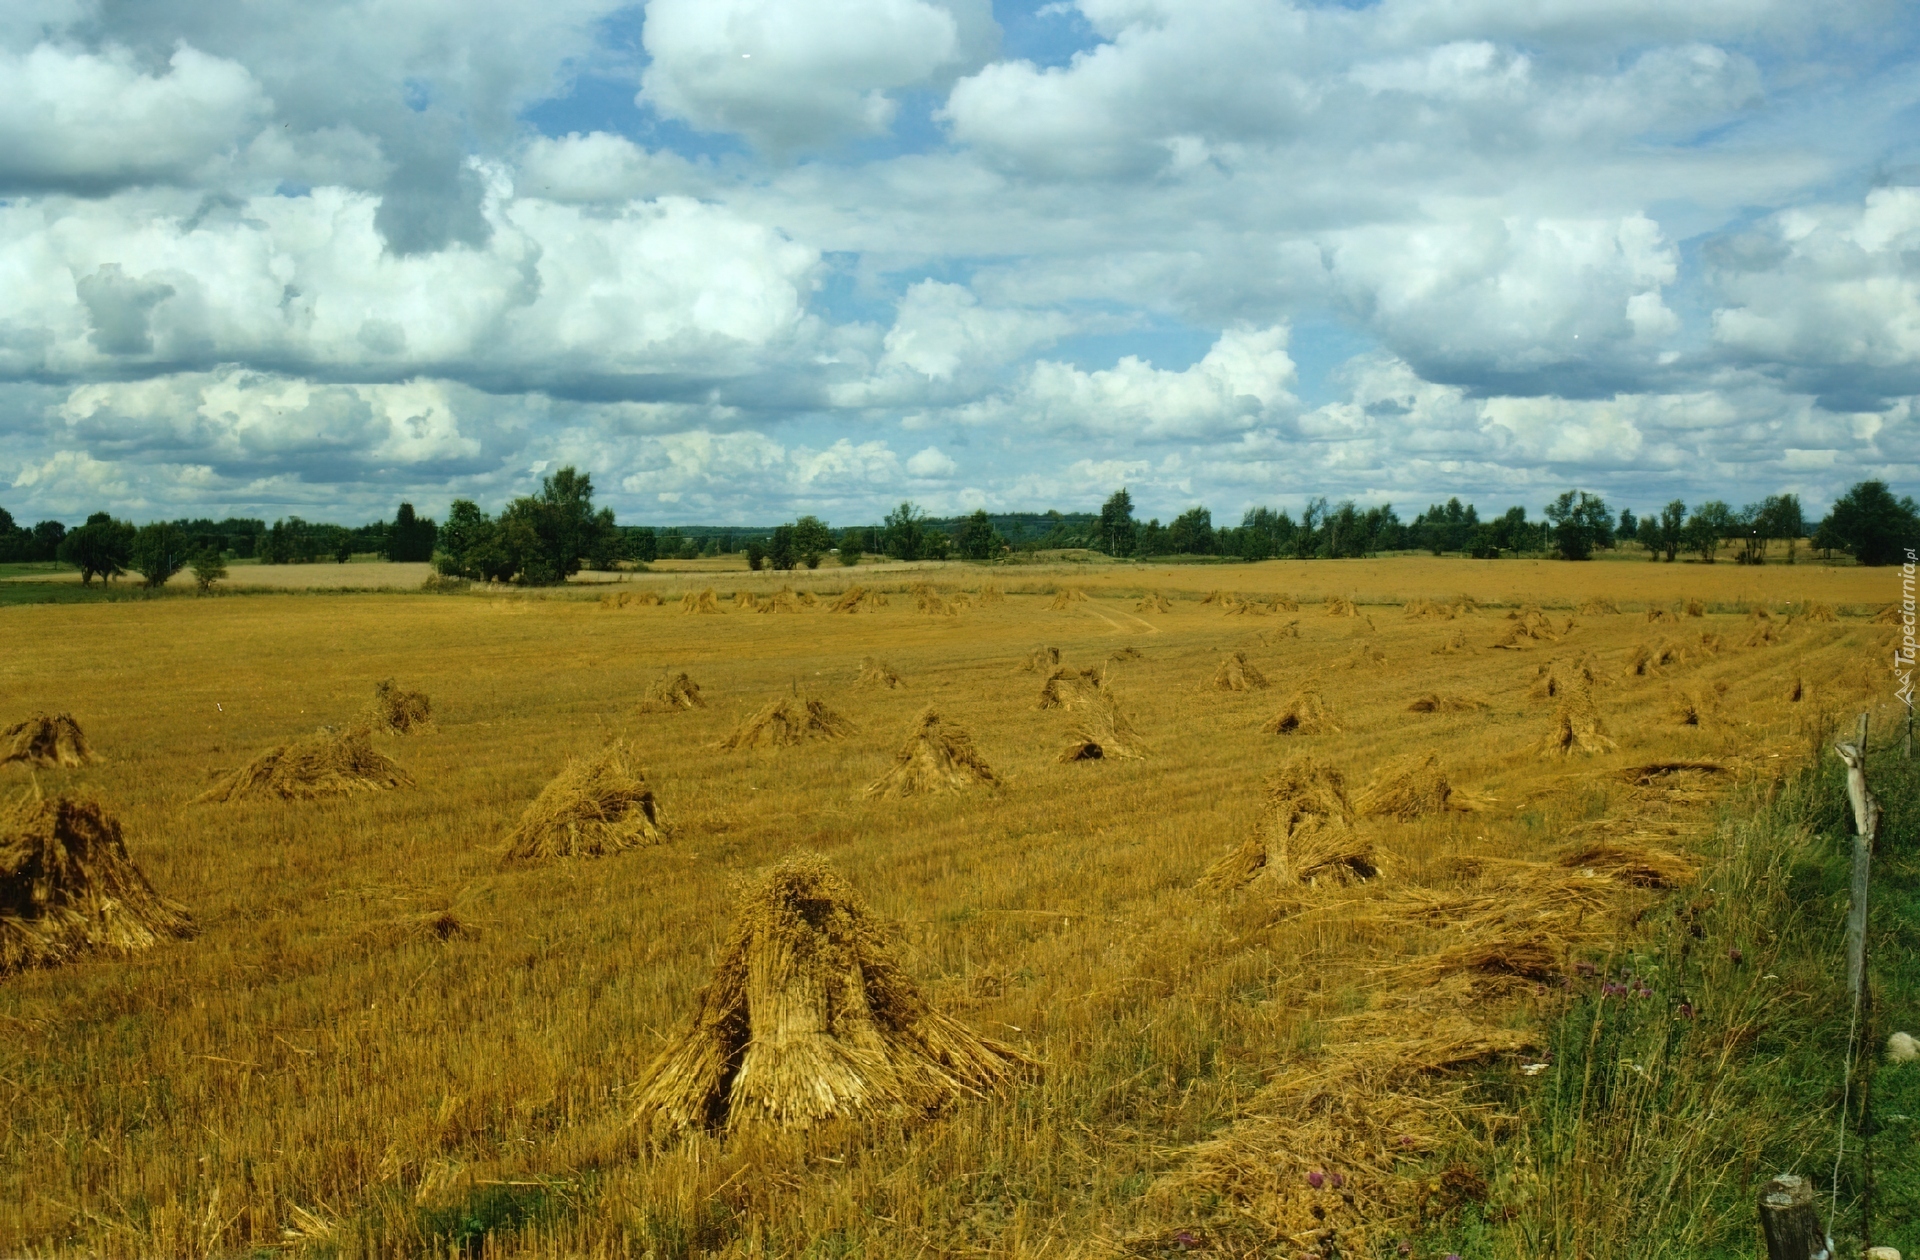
(742, 259)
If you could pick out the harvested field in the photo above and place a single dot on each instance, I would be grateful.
(382, 1033)
(875, 672)
(47, 740)
(788, 721)
(1069, 688)
(1305, 713)
(595, 806)
(1104, 734)
(672, 693)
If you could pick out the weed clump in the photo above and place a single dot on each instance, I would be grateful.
(47, 740)
(68, 888)
(809, 1018)
(595, 806)
(937, 757)
(325, 763)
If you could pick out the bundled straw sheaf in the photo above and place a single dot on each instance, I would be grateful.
(1305, 713)
(595, 806)
(1556, 678)
(781, 601)
(1069, 688)
(1104, 734)
(68, 888)
(855, 599)
(673, 693)
(1237, 673)
(396, 711)
(937, 757)
(47, 740)
(325, 763)
(1455, 645)
(1341, 606)
(630, 599)
(1576, 728)
(1067, 598)
(1153, 601)
(809, 1018)
(700, 602)
(875, 672)
(1436, 702)
(1648, 661)
(1042, 660)
(787, 721)
(1412, 788)
(1307, 836)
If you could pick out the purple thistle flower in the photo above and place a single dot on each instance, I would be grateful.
(1338, 1181)
(1316, 1179)
(1686, 1010)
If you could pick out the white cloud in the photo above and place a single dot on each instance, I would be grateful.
(75, 119)
(932, 464)
(784, 75)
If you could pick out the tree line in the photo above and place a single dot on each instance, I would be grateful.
(548, 536)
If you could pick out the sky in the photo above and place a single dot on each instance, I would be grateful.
(746, 259)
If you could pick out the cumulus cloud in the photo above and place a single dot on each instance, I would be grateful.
(785, 76)
(86, 121)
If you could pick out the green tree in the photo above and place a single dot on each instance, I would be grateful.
(99, 548)
(853, 542)
(905, 532)
(756, 555)
(209, 566)
(780, 550)
(1629, 528)
(811, 540)
(1191, 533)
(976, 539)
(1118, 536)
(158, 552)
(1673, 529)
(1873, 525)
(340, 544)
(410, 538)
(1711, 524)
(1580, 523)
(643, 546)
(47, 537)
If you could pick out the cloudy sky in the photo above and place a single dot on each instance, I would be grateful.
(742, 259)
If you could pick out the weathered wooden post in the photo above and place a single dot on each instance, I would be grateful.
(1790, 1220)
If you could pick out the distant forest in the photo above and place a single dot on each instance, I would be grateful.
(547, 536)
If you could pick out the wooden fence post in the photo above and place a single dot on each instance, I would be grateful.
(1790, 1220)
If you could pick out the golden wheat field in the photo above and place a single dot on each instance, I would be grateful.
(1358, 817)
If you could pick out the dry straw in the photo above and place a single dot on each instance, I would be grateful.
(595, 806)
(875, 672)
(1237, 673)
(1153, 601)
(1695, 608)
(857, 599)
(937, 757)
(1817, 611)
(1576, 728)
(1530, 626)
(1067, 598)
(1426, 609)
(787, 721)
(68, 888)
(630, 599)
(1042, 660)
(745, 601)
(703, 602)
(396, 711)
(1455, 645)
(927, 600)
(1341, 606)
(673, 693)
(325, 763)
(1305, 713)
(1557, 678)
(1104, 734)
(1306, 837)
(1412, 788)
(1656, 615)
(808, 1018)
(781, 601)
(1693, 706)
(47, 740)
(1069, 688)
(1595, 606)
(1649, 661)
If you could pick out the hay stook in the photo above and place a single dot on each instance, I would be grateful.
(1237, 673)
(673, 693)
(397, 711)
(1104, 735)
(69, 890)
(1306, 713)
(937, 757)
(325, 763)
(595, 806)
(1412, 788)
(47, 740)
(701, 602)
(808, 1018)
(1306, 838)
(787, 721)
(1069, 688)
(875, 672)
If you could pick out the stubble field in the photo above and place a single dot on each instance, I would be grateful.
(383, 1042)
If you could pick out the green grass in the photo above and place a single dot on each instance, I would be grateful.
(1686, 1073)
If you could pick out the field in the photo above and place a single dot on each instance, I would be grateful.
(384, 1042)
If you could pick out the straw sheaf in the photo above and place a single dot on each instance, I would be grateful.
(594, 807)
(68, 888)
(937, 757)
(325, 763)
(875, 672)
(927, 600)
(1067, 598)
(1341, 606)
(1595, 607)
(1648, 661)
(1306, 837)
(809, 1018)
(1069, 688)
(1557, 678)
(630, 599)
(1427, 609)
(1576, 729)
(1237, 673)
(396, 711)
(857, 599)
(746, 601)
(1454, 645)
(1305, 713)
(1104, 735)
(46, 740)
(1412, 788)
(701, 602)
(787, 721)
(673, 693)
(1436, 702)
(1042, 660)
(1153, 601)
